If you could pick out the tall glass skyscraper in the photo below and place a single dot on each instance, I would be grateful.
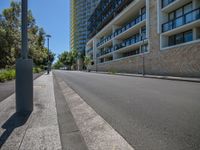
(80, 13)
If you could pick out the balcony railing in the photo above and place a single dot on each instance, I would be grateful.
(182, 20)
(135, 39)
(104, 52)
(89, 50)
(166, 2)
(130, 24)
(104, 40)
(134, 22)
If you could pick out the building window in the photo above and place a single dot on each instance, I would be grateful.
(188, 36)
(143, 33)
(180, 17)
(166, 2)
(181, 38)
(144, 48)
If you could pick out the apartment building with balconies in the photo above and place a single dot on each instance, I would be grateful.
(146, 36)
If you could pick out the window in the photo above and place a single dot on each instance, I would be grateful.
(172, 40)
(166, 2)
(181, 38)
(143, 33)
(187, 8)
(143, 10)
(181, 16)
(144, 48)
(188, 36)
(171, 16)
(180, 12)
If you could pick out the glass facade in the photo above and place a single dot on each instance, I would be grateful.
(104, 13)
(80, 12)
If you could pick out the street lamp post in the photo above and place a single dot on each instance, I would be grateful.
(24, 69)
(48, 62)
(79, 59)
(143, 38)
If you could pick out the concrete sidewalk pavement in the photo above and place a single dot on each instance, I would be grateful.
(8, 88)
(38, 130)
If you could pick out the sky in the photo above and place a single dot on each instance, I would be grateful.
(54, 17)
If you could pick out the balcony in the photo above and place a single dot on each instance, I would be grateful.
(130, 24)
(105, 39)
(105, 52)
(182, 20)
(126, 27)
(135, 39)
(89, 50)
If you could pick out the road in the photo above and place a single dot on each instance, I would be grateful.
(7, 88)
(151, 114)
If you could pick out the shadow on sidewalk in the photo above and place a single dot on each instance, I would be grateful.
(15, 121)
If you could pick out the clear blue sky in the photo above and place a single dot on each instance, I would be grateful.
(54, 17)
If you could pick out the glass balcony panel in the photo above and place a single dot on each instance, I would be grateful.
(184, 19)
(197, 14)
(179, 22)
(189, 18)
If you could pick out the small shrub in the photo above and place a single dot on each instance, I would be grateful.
(112, 71)
(7, 74)
(37, 70)
(2, 77)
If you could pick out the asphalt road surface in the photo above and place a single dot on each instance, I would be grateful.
(151, 114)
(7, 88)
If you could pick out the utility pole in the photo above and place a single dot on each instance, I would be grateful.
(24, 69)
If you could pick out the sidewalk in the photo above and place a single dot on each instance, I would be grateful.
(39, 130)
(8, 88)
(155, 76)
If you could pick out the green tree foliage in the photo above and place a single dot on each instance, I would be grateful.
(87, 60)
(10, 38)
(67, 59)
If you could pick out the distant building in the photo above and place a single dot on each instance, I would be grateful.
(146, 36)
(80, 13)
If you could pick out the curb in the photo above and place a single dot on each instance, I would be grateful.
(97, 133)
(196, 80)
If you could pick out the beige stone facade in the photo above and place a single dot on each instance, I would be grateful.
(179, 60)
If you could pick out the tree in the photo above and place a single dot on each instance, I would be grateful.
(58, 65)
(68, 58)
(10, 38)
(87, 61)
(10, 35)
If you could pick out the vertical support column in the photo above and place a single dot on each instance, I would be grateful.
(147, 17)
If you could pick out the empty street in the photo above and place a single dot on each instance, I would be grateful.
(151, 114)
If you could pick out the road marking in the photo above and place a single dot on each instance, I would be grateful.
(97, 133)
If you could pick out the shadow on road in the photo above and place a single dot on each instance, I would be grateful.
(15, 121)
